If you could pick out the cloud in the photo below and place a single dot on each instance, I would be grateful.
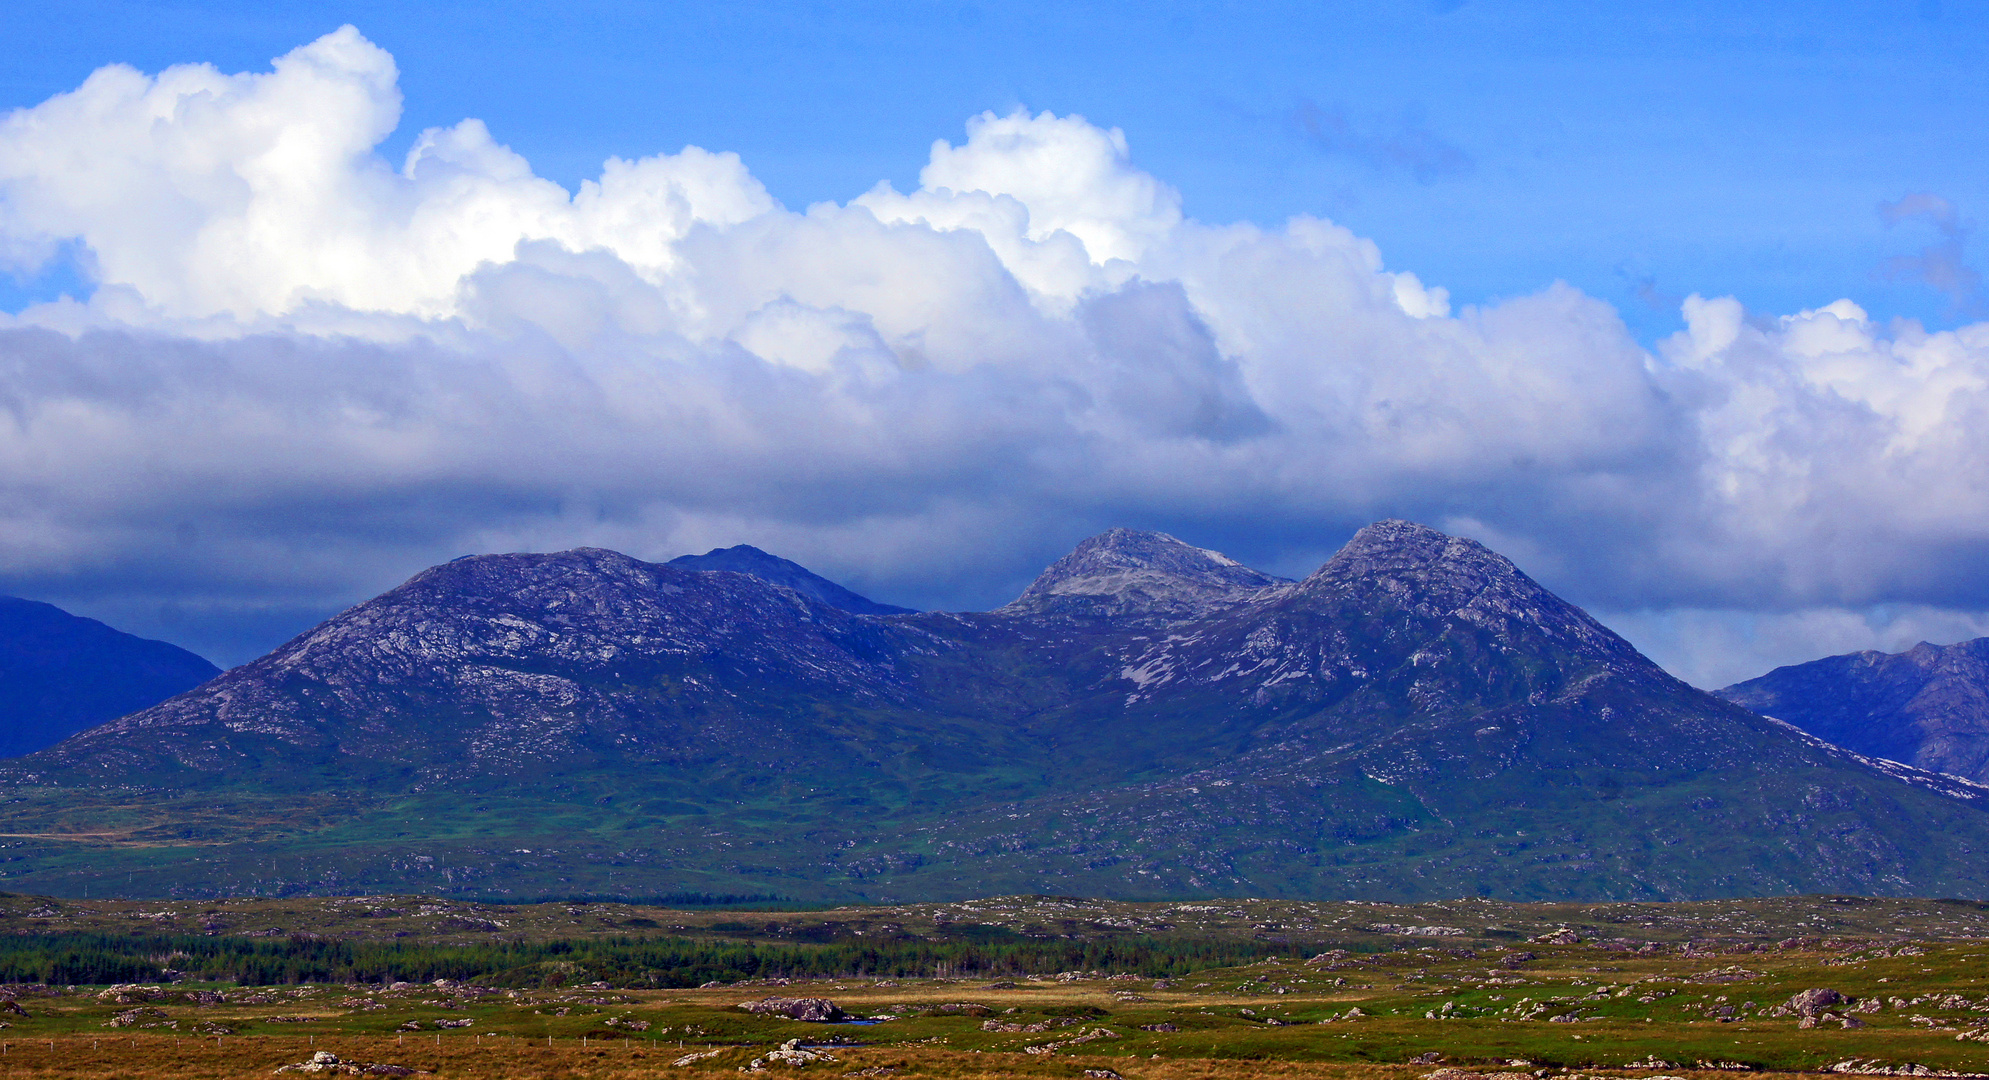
(1940, 265)
(268, 186)
(1410, 148)
(305, 373)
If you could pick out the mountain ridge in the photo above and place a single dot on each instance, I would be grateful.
(61, 674)
(1416, 718)
(747, 559)
(1927, 706)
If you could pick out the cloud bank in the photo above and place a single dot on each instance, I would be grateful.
(306, 372)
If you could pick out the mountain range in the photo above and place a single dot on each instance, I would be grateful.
(62, 673)
(1415, 719)
(1927, 706)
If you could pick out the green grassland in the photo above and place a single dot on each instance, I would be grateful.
(1185, 990)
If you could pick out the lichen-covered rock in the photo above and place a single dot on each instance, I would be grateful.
(132, 1016)
(1813, 1002)
(790, 1054)
(812, 1010)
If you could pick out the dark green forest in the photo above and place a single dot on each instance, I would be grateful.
(662, 963)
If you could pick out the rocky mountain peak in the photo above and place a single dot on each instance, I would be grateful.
(1413, 566)
(1130, 572)
(1395, 546)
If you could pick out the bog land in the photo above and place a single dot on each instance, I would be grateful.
(1014, 986)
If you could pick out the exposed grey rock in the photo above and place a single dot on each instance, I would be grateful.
(812, 1010)
(1813, 1002)
(132, 1016)
(324, 1061)
(790, 1054)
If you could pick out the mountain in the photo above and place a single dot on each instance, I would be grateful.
(747, 559)
(1927, 706)
(1415, 719)
(1125, 574)
(61, 673)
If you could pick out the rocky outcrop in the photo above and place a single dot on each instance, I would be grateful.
(792, 1054)
(324, 1061)
(811, 1010)
(1819, 1006)
(1814, 1002)
(1874, 1067)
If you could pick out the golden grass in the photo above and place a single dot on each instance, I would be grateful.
(146, 1057)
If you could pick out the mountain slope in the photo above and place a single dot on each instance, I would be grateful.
(747, 559)
(1420, 718)
(496, 669)
(1417, 718)
(61, 673)
(1927, 706)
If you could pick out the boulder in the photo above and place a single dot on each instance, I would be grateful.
(790, 1053)
(1811, 1003)
(812, 1010)
(324, 1061)
(132, 1016)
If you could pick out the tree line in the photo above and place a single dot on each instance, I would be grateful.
(662, 963)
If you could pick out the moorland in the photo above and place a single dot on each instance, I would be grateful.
(1014, 986)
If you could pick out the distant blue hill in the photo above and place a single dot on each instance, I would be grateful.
(62, 673)
(747, 559)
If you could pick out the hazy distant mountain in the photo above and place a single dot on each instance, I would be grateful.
(1927, 706)
(1418, 718)
(61, 673)
(747, 559)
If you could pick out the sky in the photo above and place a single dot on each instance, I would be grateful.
(1679, 307)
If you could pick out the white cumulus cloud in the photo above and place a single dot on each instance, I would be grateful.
(306, 371)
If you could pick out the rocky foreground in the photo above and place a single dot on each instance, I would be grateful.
(1560, 1007)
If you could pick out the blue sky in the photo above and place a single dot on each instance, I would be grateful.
(1640, 152)
(1252, 274)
